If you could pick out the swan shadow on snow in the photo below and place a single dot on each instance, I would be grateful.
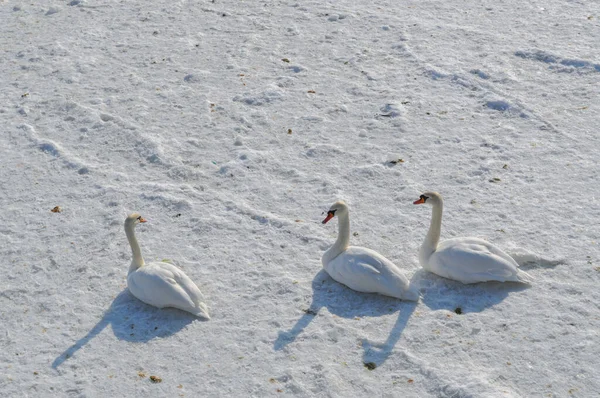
(346, 303)
(134, 321)
(439, 293)
(377, 354)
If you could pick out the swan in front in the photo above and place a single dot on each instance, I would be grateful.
(467, 260)
(362, 269)
(160, 284)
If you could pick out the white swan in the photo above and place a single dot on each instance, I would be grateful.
(160, 284)
(467, 260)
(362, 269)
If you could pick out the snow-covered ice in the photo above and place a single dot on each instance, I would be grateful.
(231, 126)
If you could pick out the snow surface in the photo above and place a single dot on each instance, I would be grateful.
(231, 126)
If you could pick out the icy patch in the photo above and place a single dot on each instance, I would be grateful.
(498, 105)
(106, 117)
(336, 17)
(479, 73)
(262, 98)
(558, 63)
(50, 148)
(191, 78)
(52, 10)
(322, 151)
(53, 149)
(435, 75)
(390, 110)
(297, 68)
(168, 201)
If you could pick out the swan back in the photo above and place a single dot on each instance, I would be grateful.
(473, 260)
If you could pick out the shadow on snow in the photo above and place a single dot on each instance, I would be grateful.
(346, 303)
(134, 321)
(439, 293)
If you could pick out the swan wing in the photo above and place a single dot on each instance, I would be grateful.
(186, 283)
(365, 270)
(472, 260)
(164, 285)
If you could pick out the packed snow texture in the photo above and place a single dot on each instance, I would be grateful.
(231, 126)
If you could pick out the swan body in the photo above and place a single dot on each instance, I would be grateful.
(467, 260)
(161, 284)
(362, 269)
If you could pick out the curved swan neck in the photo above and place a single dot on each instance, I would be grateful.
(138, 260)
(433, 235)
(343, 239)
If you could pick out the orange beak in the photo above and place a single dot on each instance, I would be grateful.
(143, 220)
(419, 202)
(329, 217)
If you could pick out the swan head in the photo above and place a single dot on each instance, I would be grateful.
(337, 208)
(134, 219)
(430, 198)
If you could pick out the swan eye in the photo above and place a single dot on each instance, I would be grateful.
(332, 212)
(424, 198)
(139, 218)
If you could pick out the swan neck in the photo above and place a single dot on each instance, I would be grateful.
(435, 228)
(343, 239)
(138, 260)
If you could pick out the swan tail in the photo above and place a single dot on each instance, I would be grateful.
(524, 277)
(201, 311)
(408, 292)
(410, 295)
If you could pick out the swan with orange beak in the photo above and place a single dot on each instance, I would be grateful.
(362, 269)
(467, 260)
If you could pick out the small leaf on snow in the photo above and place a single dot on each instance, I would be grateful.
(495, 179)
(285, 60)
(56, 209)
(155, 379)
(312, 92)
